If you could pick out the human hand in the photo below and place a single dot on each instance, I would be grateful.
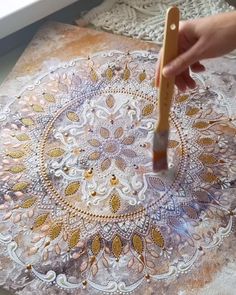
(199, 39)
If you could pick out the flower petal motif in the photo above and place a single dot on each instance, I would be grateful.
(104, 132)
(120, 163)
(94, 142)
(94, 156)
(128, 140)
(129, 153)
(110, 101)
(105, 164)
(119, 132)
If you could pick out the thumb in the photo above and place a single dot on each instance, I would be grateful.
(183, 61)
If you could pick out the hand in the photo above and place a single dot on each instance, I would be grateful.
(199, 39)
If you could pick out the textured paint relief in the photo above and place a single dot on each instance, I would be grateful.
(80, 205)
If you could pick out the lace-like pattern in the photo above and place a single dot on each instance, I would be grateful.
(144, 19)
(81, 208)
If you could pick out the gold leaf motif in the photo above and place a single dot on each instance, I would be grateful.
(40, 220)
(49, 97)
(16, 154)
(172, 143)
(148, 109)
(116, 246)
(110, 101)
(200, 125)
(74, 239)
(22, 137)
(192, 111)
(109, 73)
(104, 132)
(205, 141)
(157, 238)
(28, 203)
(208, 159)
(96, 245)
(209, 177)
(56, 152)
(72, 188)
(20, 186)
(137, 244)
(142, 76)
(128, 140)
(37, 108)
(94, 156)
(105, 164)
(55, 230)
(115, 203)
(72, 116)
(182, 98)
(17, 169)
(119, 132)
(27, 121)
(120, 163)
(126, 73)
(93, 75)
(94, 142)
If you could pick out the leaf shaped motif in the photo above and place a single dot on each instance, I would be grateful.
(182, 98)
(157, 238)
(49, 97)
(105, 164)
(172, 143)
(129, 153)
(116, 246)
(115, 203)
(137, 244)
(17, 169)
(17, 154)
(208, 159)
(55, 230)
(128, 140)
(94, 156)
(37, 108)
(156, 183)
(202, 197)
(27, 121)
(72, 116)
(142, 76)
(127, 73)
(192, 111)
(40, 220)
(110, 101)
(28, 203)
(109, 73)
(93, 75)
(104, 132)
(74, 239)
(147, 110)
(120, 163)
(200, 125)
(96, 245)
(72, 188)
(205, 141)
(119, 132)
(190, 211)
(56, 152)
(94, 142)
(20, 186)
(22, 137)
(209, 177)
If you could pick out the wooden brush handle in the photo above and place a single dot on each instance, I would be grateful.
(170, 51)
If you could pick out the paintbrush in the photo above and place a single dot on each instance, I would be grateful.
(166, 89)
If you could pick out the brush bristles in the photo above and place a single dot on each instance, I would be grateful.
(160, 142)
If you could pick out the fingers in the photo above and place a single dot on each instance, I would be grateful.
(197, 67)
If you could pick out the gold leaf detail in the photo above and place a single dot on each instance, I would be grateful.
(148, 109)
(94, 142)
(128, 140)
(126, 73)
(137, 244)
(20, 186)
(115, 203)
(27, 121)
(16, 154)
(96, 245)
(200, 125)
(72, 116)
(37, 108)
(209, 177)
(93, 75)
(157, 238)
(72, 188)
(56, 152)
(172, 143)
(110, 101)
(40, 220)
(205, 141)
(116, 246)
(105, 164)
(104, 132)
(55, 230)
(17, 169)
(94, 156)
(28, 203)
(119, 132)
(120, 163)
(49, 97)
(74, 239)
(109, 73)
(182, 98)
(208, 159)
(142, 76)
(192, 111)
(22, 137)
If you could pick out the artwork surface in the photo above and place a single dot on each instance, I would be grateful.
(81, 209)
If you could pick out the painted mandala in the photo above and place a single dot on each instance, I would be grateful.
(80, 205)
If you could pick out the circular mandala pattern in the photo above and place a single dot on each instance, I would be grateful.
(77, 186)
